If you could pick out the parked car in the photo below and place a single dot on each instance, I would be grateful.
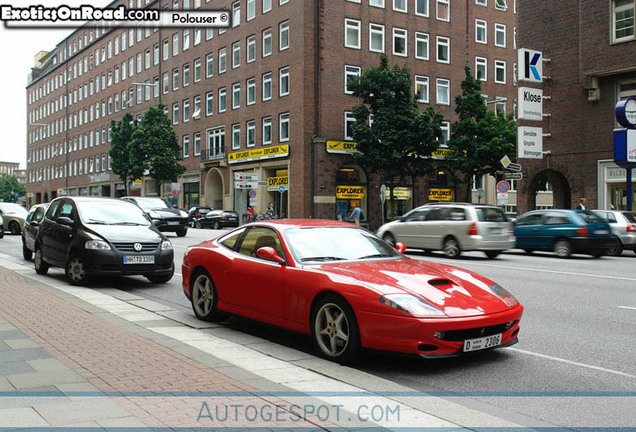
(101, 236)
(348, 289)
(1, 227)
(563, 231)
(13, 216)
(623, 226)
(218, 219)
(163, 216)
(452, 228)
(195, 213)
(31, 227)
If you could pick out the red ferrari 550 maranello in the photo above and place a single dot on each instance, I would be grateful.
(348, 289)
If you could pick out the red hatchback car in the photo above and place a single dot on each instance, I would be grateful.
(348, 289)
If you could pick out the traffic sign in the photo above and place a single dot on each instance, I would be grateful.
(503, 186)
(513, 176)
(252, 193)
(282, 189)
(514, 167)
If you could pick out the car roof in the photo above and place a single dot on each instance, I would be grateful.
(88, 199)
(286, 224)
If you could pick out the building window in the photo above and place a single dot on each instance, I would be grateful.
(376, 3)
(186, 110)
(222, 99)
(166, 49)
(196, 112)
(443, 49)
(283, 81)
(236, 55)
(623, 20)
(267, 42)
(500, 71)
(376, 38)
(236, 14)
(443, 91)
(197, 70)
(352, 34)
(186, 39)
(446, 131)
(222, 60)
(283, 127)
(349, 121)
(267, 86)
(399, 42)
(236, 95)
(251, 91)
(481, 69)
(250, 13)
(186, 146)
(209, 65)
(175, 113)
(251, 49)
(175, 79)
(186, 75)
(421, 46)
(351, 72)
(421, 88)
(197, 144)
(236, 136)
(175, 44)
(400, 5)
(209, 104)
(500, 35)
(481, 31)
(216, 143)
(250, 136)
(267, 6)
(501, 5)
(283, 36)
(421, 7)
(267, 130)
(443, 10)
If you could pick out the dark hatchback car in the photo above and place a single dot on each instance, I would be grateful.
(101, 236)
(31, 228)
(162, 215)
(218, 219)
(563, 231)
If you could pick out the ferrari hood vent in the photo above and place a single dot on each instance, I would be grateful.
(438, 282)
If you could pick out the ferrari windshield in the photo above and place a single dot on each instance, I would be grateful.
(323, 244)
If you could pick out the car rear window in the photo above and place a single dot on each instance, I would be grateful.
(631, 217)
(491, 214)
(590, 217)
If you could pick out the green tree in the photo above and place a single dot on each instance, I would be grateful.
(120, 150)
(401, 138)
(155, 147)
(9, 186)
(480, 138)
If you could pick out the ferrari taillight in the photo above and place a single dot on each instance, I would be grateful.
(473, 229)
(582, 232)
(631, 228)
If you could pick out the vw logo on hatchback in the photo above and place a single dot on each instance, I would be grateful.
(138, 247)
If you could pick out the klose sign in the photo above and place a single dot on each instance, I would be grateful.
(530, 104)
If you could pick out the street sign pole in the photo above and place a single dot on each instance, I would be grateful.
(383, 199)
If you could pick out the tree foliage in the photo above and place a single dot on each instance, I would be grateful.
(401, 138)
(9, 185)
(121, 148)
(480, 138)
(155, 147)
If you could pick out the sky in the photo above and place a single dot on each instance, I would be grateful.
(17, 50)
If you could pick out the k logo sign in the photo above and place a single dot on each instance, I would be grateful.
(530, 65)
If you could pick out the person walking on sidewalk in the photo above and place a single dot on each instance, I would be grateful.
(355, 214)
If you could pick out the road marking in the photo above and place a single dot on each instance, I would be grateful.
(627, 307)
(573, 363)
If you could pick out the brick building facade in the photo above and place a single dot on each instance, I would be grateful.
(261, 99)
(592, 51)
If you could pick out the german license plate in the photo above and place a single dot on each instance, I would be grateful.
(482, 343)
(139, 259)
(601, 232)
(493, 230)
(173, 222)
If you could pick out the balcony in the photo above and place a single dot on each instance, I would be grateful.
(213, 157)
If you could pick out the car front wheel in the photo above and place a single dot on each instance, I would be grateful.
(204, 297)
(451, 248)
(335, 330)
(492, 254)
(27, 253)
(616, 248)
(76, 270)
(40, 266)
(182, 232)
(562, 249)
(14, 227)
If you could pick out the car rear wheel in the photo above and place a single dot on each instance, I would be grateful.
(160, 278)
(76, 270)
(40, 266)
(616, 248)
(204, 297)
(197, 224)
(335, 330)
(27, 253)
(562, 248)
(492, 254)
(451, 248)
(14, 227)
(182, 232)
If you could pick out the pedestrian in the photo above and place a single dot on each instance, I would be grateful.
(355, 214)
(582, 204)
(250, 213)
(270, 210)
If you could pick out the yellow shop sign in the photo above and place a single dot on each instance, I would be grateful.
(343, 147)
(440, 194)
(274, 183)
(258, 154)
(350, 192)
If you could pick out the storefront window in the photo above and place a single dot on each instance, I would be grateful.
(351, 188)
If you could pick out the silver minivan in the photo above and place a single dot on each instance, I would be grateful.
(623, 226)
(452, 228)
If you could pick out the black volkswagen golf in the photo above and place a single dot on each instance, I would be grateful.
(101, 236)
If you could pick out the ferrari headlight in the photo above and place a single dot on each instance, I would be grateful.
(412, 305)
(96, 245)
(503, 294)
(166, 245)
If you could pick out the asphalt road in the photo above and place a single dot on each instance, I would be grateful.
(575, 365)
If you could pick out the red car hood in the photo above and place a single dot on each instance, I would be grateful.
(457, 292)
